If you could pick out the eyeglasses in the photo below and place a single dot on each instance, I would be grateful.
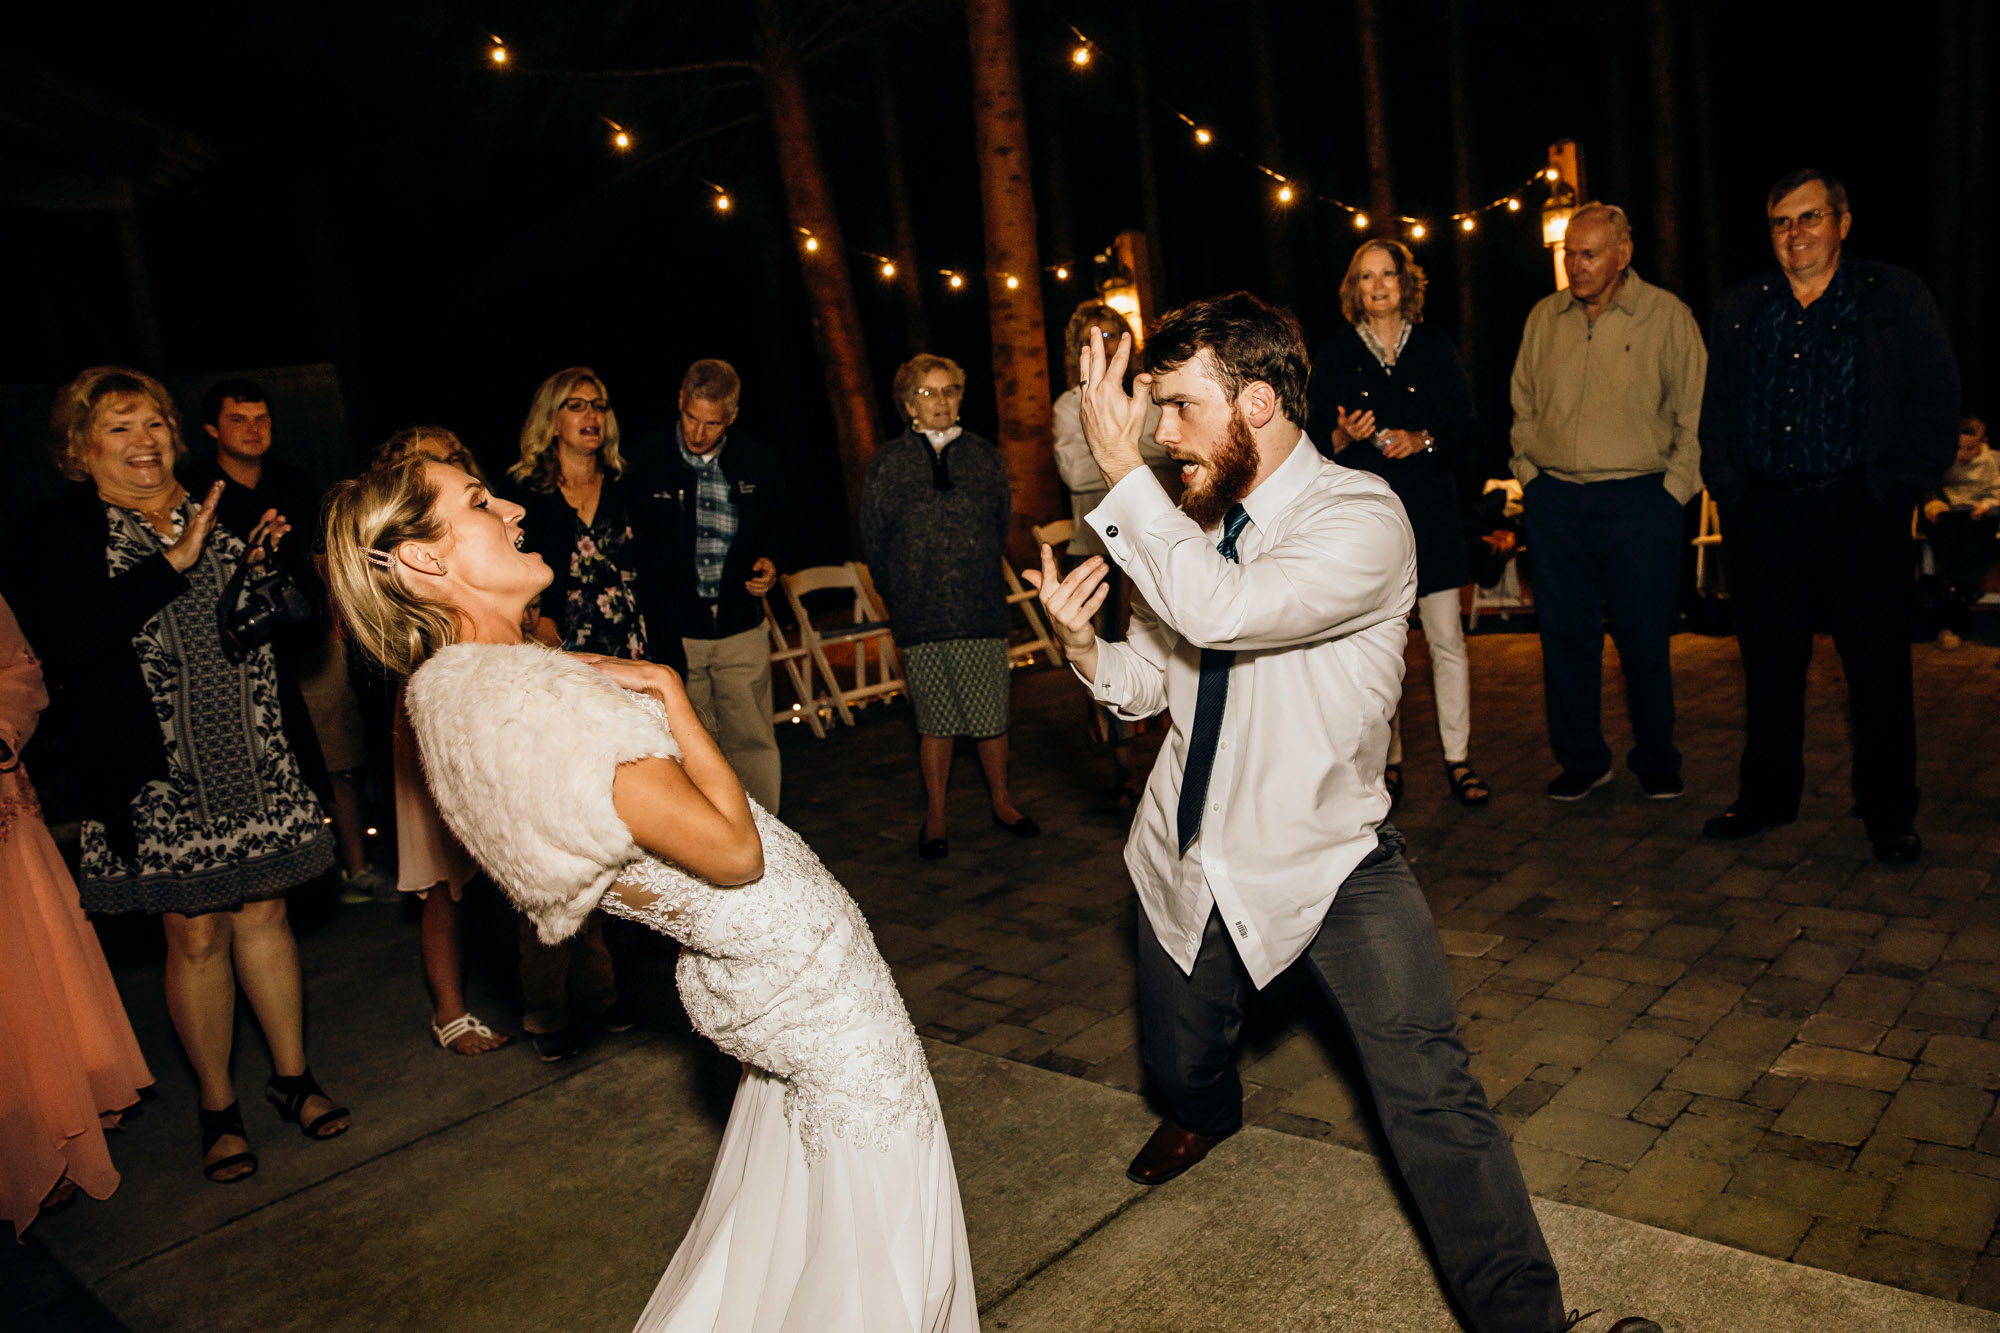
(948, 391)
(594, 404)
(1806, 221)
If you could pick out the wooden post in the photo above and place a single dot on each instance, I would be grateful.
(1566, 159)
(829, 287)
(1375, 114)
(1013, 266)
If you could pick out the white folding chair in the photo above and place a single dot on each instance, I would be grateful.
(867, 624)
(1507, 596)
(1056, 534)
(1707, 533)
(1039, 640)
(798, 666)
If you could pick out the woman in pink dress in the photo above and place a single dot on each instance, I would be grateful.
(69, 1064)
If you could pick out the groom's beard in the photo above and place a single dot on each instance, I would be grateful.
(1229, 476)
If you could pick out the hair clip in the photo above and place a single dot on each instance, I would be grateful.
(376, 557)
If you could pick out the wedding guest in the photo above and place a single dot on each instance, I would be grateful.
(1389, 397)
(69, 1064)
(1084, 481)
(1831, 408)
(935, 510)
(430, 862)
(1962, 520)
(612, 550)
(196, 801)
(236, 413)
(1606, 451)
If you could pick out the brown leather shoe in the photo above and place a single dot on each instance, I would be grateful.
(1169, 1152)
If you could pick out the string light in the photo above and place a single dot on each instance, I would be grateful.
(1513, 205)
(1062, 273)
(888, 269)
(1417, 231)
(1202, 136)
(1465, 224)
(957, 280)
(1361, 222)
(621, 138)
(723, 203)
(1284, 194)
(812, 244)
(1080, 57)
(1012, 282)
(498, 55)
(1552, 174)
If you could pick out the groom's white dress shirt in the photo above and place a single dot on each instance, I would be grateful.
(1315, 608)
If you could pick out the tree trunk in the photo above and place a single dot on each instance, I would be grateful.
(1461, 182)
(1666, 145)
(1709, 201)
(1020, 353)
(1271, 147)
(909, 283)
(829, 287)
(1375, 114)
(1149, 174)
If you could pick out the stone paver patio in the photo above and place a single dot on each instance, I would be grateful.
(1779, 1044)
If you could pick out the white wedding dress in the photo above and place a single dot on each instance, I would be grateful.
(833, 1206)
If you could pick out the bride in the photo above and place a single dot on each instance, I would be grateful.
(582, 782)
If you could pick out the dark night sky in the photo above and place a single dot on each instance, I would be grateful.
(449, 236)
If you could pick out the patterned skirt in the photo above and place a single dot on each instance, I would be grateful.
(959, 687)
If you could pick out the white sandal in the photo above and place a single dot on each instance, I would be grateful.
(461, 1025)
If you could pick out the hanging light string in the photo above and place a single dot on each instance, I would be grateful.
(1087, 52)
(499, 56)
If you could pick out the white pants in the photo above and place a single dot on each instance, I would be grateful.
(1451, 678)
(729, 679)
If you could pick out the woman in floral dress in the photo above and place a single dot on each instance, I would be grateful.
(193, 767)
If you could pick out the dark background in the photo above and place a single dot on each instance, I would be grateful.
(377, 196)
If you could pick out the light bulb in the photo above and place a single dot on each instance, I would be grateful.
(1465, 224)
(722, 204)
(1284, 194)
(1202, 136)
(499, 55)
(812, 244)
(888, 269)
(621, 140)
(1361, 222)
(957, 280)
(1062, 274)
(1012, 282)
(1513, 205)
(1080, 57)
(1552, 174)
(1416, 231)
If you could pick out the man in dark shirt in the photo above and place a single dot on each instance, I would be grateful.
(1831, 407)
(236, 413)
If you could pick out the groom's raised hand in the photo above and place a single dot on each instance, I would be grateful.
(1072, 604)
(1112, 418)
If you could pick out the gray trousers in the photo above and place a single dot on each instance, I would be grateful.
(1378, 961)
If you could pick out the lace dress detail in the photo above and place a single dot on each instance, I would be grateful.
(784, 975)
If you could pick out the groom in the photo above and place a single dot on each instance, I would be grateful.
(1270, 626)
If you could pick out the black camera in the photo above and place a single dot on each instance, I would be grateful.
(259, 600)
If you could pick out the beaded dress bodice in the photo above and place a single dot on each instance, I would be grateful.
(783, 974)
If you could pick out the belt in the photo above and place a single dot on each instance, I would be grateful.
(1806, 485)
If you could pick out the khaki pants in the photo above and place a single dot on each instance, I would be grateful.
(729, 679)
(556, 978)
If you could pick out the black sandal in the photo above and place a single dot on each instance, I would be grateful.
(289, 1096)
(214, 1126)
(1392, 778)
(1470, 789)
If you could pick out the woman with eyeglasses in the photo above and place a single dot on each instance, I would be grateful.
(935, 510)
(611, 548)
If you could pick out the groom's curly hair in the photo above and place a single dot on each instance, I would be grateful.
(1251, 340)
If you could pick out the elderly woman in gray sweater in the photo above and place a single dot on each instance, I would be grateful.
(935, 510)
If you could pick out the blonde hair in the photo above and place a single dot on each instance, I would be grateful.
(77, 404)
(367, 518)
(538, 466)
(713, 381)
(916, 370)
(1088, 316)
(1409, 277)
(409, 443)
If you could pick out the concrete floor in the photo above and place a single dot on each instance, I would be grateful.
(500, 1193)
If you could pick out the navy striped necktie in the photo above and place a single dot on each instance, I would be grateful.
(1209, 701)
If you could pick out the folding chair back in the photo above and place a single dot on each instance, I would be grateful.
(867, 625)
(798, 666)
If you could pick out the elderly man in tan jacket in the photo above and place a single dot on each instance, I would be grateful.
(1607, 398)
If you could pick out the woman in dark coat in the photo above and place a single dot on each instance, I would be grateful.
(1389, 397)
(935, 510)
(194, 763)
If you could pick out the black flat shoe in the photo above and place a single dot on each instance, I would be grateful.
(1900, 847)
(1023, 827)
(215, 1125)
(1736, 822)
(289, 1095)
(931, 849)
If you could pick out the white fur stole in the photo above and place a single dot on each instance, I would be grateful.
(520, 744)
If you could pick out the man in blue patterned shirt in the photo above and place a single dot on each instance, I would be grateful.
(727, 485)
(1831, 407)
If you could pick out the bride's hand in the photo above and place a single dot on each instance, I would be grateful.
(643, 677)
